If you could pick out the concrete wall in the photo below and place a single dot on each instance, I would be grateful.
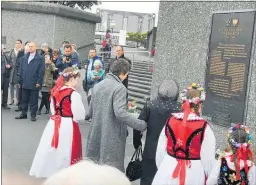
(48, 23)
(182, 44)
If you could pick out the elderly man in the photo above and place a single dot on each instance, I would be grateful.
(108, 110)
(119, 54)
(31, 72)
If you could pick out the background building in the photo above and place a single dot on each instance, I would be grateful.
(122, 20)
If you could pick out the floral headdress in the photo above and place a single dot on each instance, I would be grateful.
(233, 142)
(195, 100)
(242, 149)
(62, 78)
(69, 75)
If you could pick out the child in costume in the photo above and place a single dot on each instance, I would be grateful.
(235, 166)
(60, 145)
(186, 146)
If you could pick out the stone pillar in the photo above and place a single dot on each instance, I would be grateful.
(182, 47)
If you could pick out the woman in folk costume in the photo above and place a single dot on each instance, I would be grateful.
(186, 147)
(235, 166)
(60, 145)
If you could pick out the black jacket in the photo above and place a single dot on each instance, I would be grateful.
(4, 71)
(125, 82)
(155, 113)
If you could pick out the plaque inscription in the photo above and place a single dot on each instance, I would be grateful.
(228, 66)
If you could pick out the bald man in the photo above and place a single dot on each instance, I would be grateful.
(31, 72)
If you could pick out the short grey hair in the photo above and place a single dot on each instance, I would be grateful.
(120, 66)
(87, 172)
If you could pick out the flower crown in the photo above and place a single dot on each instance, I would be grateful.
(195, 100)
(233, 142)
(69, 75)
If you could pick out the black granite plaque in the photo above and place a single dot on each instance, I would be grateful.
(228, 66)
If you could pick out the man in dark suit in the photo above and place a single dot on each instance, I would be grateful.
(6, 67)
(119, 54)
(31, 72)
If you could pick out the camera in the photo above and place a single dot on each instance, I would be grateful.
(67, 58)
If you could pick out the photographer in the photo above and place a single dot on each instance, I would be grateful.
(67, 60)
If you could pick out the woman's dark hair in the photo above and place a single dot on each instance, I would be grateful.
(56, 51)
(120, 66)
(19, 40)
(65, 42)
(27, 42)
(47, 53)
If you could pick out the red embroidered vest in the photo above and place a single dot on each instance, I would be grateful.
(62, 103)
(185, 143)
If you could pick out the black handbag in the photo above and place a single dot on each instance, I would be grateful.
(133, 170)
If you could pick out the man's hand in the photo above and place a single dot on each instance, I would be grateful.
(96, 78)
(8, 66)
(64, 59)
(37, 85)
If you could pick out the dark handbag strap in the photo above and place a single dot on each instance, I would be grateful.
(137, 153)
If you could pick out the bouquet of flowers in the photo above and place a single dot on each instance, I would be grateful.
(132, 108)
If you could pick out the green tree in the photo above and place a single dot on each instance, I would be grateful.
(137, 37)
(82, 4)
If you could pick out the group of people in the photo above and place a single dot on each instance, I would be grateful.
(30, 70)
(180, 144)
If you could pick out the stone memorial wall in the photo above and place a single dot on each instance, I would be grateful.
(183, 43)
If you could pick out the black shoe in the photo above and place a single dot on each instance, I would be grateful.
(22, 116)
(5, 107)
(46, 112)
(39, 112)
(18, 110)
(33, 118)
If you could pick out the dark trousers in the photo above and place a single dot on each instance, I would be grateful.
(45, 101)
(148, 171)
(29, 97)
(19, 98)
(5, 89)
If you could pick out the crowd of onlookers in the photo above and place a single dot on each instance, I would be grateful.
(27, 70)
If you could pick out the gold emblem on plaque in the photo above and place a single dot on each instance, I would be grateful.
(233, 22)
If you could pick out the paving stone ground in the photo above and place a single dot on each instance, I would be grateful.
(20, 139)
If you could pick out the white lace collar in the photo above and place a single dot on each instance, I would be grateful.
(191, 117)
